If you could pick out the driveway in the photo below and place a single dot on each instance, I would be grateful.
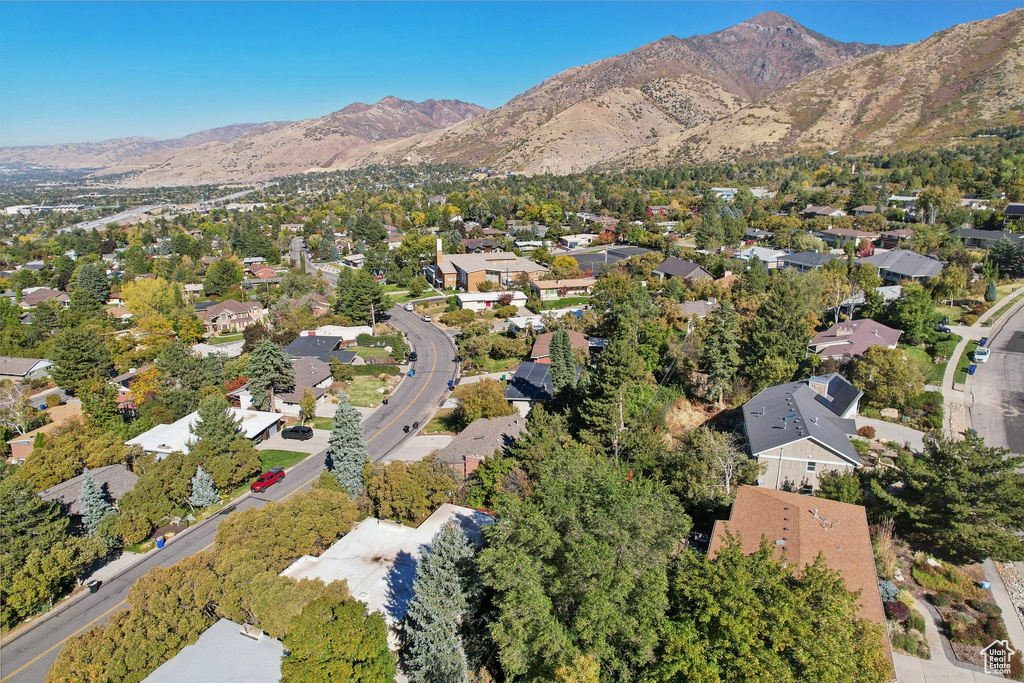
(314, 445)
(887, 431)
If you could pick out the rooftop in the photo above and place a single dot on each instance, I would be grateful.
(496, 260)
(482, 437)
(167, 438)
(309, 372)
(807, 259)
(905, 263)
(853, 337)
(313, 346)
(532, 382)
(542, 347)
(675, 267)
(378, 558)
(224, 655)
(17, 366)
(115, 480)
(558, 284)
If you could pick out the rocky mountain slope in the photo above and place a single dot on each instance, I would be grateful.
(600, 111)
(955, 82)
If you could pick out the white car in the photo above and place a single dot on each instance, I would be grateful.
(425, 318)
(981, 355)
(408, 307)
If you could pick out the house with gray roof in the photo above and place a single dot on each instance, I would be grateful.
(531, 384)
(20, 369)
(313, 346)
(902, 264)
(983, 239)
(804, 261)
(226, 652)
(113, 480)
(799, 430)
(684, 270)
(479, 441)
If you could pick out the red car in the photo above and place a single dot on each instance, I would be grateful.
(267, 479)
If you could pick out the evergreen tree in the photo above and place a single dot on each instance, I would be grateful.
(721, 359)
(619, 368)
(358, 291)
(991, 293)
(92, 288)
(778, 334)
(221, 276)
(204, 493)
(216, 424)
(270, 370)
(346, 450)
(563, 362)
(710, 232)
(444, 592)
(78, 353)
(93, 502)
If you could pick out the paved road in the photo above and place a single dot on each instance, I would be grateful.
(28, 658)
(998, 388)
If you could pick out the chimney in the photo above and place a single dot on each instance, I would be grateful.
(440, 251)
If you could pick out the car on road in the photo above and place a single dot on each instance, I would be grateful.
(981, 355)
(409, 307)
(299, 432)
(267, 479)
(413, 356)
(425, 318)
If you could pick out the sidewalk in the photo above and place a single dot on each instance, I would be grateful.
(1012, 618)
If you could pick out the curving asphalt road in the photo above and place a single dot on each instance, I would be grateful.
(27, 657)
(998, 387)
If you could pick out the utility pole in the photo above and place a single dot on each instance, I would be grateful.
(618, 431)
(373, 318)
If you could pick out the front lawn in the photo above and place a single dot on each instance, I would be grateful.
(954, 313)
(566, 302)
(273, 457)
(441, 422)
(931, 370)
(323, 423)
(362, 391)
(227, 338)
(369, 351)
(965, 360)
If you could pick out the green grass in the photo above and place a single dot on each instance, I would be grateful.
(999, 312)
(965, 359)
(566, 302)
(393, 288)
(489, 365)
(440, 423)
(931, 370)
(1006, 288)
(323, 423)
(953, 312)
(226, 338)
(362, 392)
(273, 457)
(368, 351)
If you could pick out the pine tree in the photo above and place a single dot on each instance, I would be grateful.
(563, 362)
(91, 289)
(991, 293)
(444, 593)
(78, 353)
(721, 359)
(93, 503)
(204, 493)
(270, 370)
(346, 450)
(620, 367)
(778, 335)
(216, 423)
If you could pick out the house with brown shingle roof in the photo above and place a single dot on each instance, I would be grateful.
(231, 316)
(34, 296)
(802, 527)
(23, 445)
(479, 441)
(548, 290)
(852, 338)
(113, 480)
(542, 347)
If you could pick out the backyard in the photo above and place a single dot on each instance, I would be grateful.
(566, 302)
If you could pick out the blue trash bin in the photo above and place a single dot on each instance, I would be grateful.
(971, 369)
(160, 540)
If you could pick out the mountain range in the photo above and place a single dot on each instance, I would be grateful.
(764, 88)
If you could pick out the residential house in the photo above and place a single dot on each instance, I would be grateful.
(755, 235)
(726, 193)
(800, 529)
(893, 239)
(531, 384)
(838, 238)
(22, 445)
(123, 384)
(660, 210)
(769, 257)
(225, 652)
(232, 316)
(193, 291)
(812, 211)
(864, 210)
(684, 270)
(321, 306)
(541, 352)
(804, 261)
(353, 260)
(1014, 213)
(314, 346)
(902, 264)
(852, 338)
(481, 246)
(694, 310)
(552, 290)
(33, 296)
(311, 373)
(378, 559)
(164, 439)
(577, 241)
(468, 271)
(903, 202)
(801, 429)
(983, 239)
(482, 301)
(253, 261)
(113, 480)
(34, 265)
(536, 322)
(261, 272)
(23, 369)
(347, 333)
(479, 441)
(227, 350)
(119, 313)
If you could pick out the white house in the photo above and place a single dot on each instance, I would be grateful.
(165, 439)
(481, 301)
(577, 241)
(347, 334)
(769, 257)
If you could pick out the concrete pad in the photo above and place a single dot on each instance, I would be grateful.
(419, 447)
(314, 445)
(888, 431)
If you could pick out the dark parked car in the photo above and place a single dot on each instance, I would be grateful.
(412, 356)
(297, 432)
(267, 479)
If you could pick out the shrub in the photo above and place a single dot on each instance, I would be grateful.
(915, 622)
(457, 318)
(867, 431)
(995, 628)
(942, 599)
(946, 578)
(944, 349)
(506, 311)
(452, 304)
(897, 611)
(986, 608)
(967, 633)
(902, 641)
(888, 591)
(906, 598)
(52, 400)
(969, 319)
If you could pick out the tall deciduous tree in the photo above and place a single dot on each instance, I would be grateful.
(346, 450)
(204, 493)
(720, 359)
(216, 424)
(307, 404)
(78, 354)
(963, 498)
(221, 276)
(887, 377)
(482, 399)
(93, 502)
(270, 370)
(444, 592)
(914, 313)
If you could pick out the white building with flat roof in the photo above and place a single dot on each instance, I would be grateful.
(481, 301)
(177, 436)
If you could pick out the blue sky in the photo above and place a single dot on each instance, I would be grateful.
(80, 71)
